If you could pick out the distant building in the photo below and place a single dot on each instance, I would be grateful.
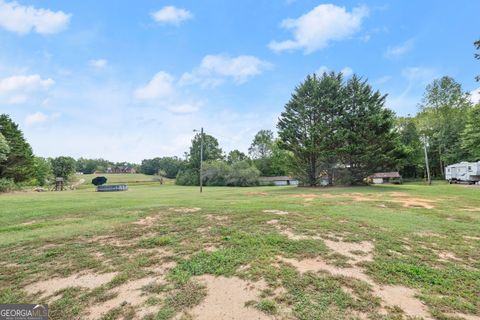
(280, 180)
(120, 170)
(385, 177)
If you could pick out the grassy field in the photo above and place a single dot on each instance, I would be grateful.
(164, 251)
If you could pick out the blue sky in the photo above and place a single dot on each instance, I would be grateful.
(128, 80)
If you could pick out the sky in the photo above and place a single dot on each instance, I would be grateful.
(130, 80)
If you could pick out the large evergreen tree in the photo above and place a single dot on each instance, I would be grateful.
(19, 165)
(308, 127)
(368, 142)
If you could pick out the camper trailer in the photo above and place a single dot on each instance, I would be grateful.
(468, 172)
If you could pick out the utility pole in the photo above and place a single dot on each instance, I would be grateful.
(426, 159)
(201, 158)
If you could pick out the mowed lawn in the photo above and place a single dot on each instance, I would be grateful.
(166, 251)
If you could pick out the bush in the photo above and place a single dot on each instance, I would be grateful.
(188, 177)
(242, 174)
(7, 185)
(98, 181)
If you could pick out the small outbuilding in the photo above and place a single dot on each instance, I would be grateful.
(385, 177)
(280, 180)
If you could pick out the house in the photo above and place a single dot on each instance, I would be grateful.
(280, 180)
(385, 177)
(120, 170)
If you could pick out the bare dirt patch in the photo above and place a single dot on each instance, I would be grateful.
(185, 210)
(357, 251)
(212, 217)
(471, 238)
(464, 316)
(226, 298)
(256, 193)
(391, 295)
(88, 280)
(274, 221)
(146, 222)
(278, 212)
(128, 293)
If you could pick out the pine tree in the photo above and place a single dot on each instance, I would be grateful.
(19, 165)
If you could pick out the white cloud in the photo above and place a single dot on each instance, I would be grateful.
(318, 28)
(346, 71)
(400, 50)
(184, 108)
(382, 80)
(215, 68)
(171, 15)
(98, 63)
(475, 96)
(18, 89)
(161, 86)
(419, 74)
(24, 19)
(35, 118)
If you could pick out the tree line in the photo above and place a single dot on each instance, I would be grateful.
(331, 131)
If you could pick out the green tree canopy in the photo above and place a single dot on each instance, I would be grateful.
(442, 118)
(43, 170)
(261, 146)
(19, 165)
(329, 125)
(477, 55)
(236, 156)
(471, 134)
(211, 150)
(63, 167)
(4, 148)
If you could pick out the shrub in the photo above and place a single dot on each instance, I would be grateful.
(7, 185)
(98, 181)
(188, 177)
(242, 174)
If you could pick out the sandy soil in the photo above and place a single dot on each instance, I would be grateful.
(226, 298)
(278, 212)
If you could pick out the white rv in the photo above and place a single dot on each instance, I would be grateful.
(468, 172)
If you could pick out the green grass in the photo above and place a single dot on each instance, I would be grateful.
(49, 234)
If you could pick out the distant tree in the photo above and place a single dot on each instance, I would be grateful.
(63, 167)
(211, 150)
(261, 146)
(413, 163)
(242, 174)
(281, 160)
(215, 173)
(471, 134)
(308, 127)
(236, 156)
(170, 165)
(442, 118)
(477, 56)
(43, 170)
(19, 165)
(4, 148)
(98, 181)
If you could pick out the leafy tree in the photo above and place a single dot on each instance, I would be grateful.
(236, 156)
(261, 146)
(43, 170)
(368, 141)
(188, 177)
(215, 173)
(211, 150)
(4, 148)
(242, 174)
(413, 163)
(477, 55)
(308, 127)
(442, 119)
(63, 167)
(170, 165)
(98, 181)
(281, 160)
(471, 134)
(19, 165)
